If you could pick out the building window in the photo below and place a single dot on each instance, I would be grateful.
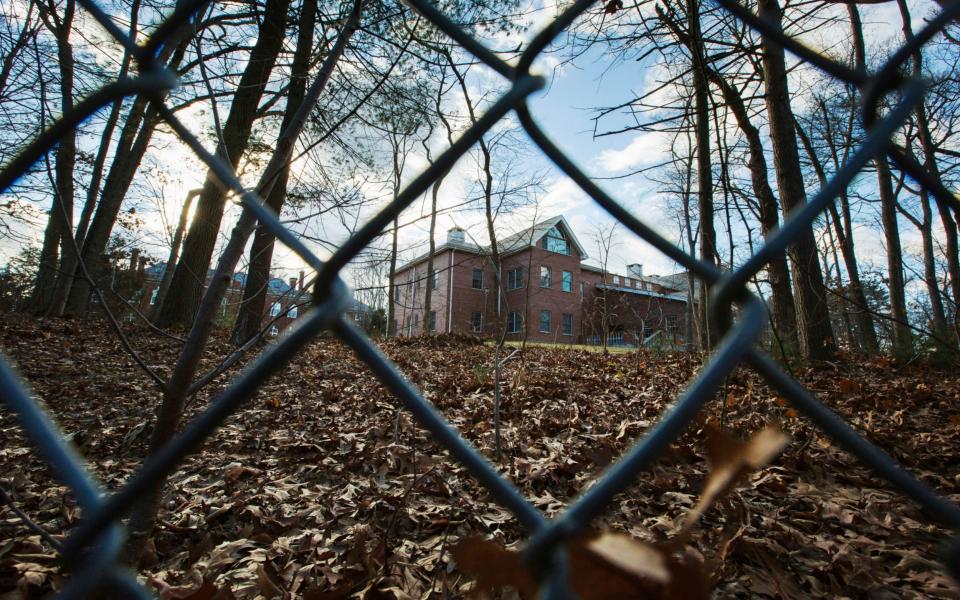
(292, 313)
(616, 280)
(273, 331)
(555, 242)
(546, 277)
(545, 325)
(567, 324)
(275, 309)
(673, 325)
(476, 322)
(515, 278)
(477, 282)
(434, 278)
(153, 295)
(514, 322)
(396, 293)
(433, 320)
(567, 282)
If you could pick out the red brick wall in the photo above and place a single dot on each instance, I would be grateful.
(533, 298)
(628, 312)
(454, 298)
(227, 314)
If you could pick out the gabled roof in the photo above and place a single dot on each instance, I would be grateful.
(531, 235)
(526, 238)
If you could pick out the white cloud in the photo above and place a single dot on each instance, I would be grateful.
(644, 149)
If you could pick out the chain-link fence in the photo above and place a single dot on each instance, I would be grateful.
(91, 551)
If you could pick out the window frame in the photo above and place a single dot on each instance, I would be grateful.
(566, 319)
(153, 295)
(476, 282)
(515, 278)
(293, 311)
(434, 278)
(546, 275)
(554, 235)
(566, 281)
(546, 312)
(514, 322)
(433, 321)
(275, 309)
(476, 325)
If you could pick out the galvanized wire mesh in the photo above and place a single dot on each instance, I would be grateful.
(91, 551)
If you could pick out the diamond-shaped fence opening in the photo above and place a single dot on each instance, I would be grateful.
(92, 549)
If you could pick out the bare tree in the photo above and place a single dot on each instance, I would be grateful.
(813, 316)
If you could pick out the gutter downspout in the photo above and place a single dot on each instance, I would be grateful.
(499, 287)
(453, 253)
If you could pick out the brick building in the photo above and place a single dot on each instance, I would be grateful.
(286, 300)
(547, 292)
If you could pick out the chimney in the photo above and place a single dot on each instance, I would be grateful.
(635, 270)
(134, 259)
(300, 287)
(293, 283)
(456, 235)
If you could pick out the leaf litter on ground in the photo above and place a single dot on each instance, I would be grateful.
(321, 487)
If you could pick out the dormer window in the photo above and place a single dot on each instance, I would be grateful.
(555, 242)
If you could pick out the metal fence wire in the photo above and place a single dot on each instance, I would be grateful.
(91, 551)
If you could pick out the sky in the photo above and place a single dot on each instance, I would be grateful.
(565, 110)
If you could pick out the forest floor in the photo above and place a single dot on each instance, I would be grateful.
(313, 491)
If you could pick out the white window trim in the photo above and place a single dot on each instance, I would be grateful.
(511, 322)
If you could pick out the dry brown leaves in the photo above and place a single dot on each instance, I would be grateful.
(320, 488)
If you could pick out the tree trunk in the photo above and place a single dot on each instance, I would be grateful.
(190, 275)
(784, 315)
(69, 261)
(135, 136)
(60, 224)
(428, 299)
(930, 162)
(813, 316)
(174, 250)
(710, 335)
(902, 336)
(261, 251)
(938, 314)
(170, 410)
(866, 335)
